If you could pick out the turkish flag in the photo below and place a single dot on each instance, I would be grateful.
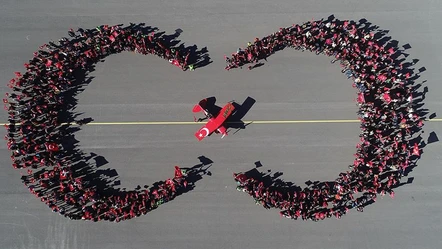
(52, 147)
(240, 177)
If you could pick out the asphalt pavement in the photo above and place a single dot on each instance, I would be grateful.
(291, 85)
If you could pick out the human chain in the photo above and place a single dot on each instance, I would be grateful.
(387, 111)
(35, 133)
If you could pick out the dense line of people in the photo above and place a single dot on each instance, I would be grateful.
(35, 126)
(387, 111)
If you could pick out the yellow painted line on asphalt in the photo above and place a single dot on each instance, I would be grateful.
(144, 123)
(245, 121)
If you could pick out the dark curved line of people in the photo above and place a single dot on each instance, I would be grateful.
(387, 110)
(35, 133)
(387, 113)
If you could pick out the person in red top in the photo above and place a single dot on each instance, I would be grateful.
(416, 150)
(179, 173)
(171, 185)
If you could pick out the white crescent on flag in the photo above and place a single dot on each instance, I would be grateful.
(206, 132)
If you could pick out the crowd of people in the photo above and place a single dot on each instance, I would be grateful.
(387, 111)
(35, 124)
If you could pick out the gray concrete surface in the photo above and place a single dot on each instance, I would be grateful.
(291, 86)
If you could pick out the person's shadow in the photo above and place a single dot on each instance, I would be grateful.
(235, 120)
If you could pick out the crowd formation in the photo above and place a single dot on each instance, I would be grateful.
(34, 130)
(387, 111)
